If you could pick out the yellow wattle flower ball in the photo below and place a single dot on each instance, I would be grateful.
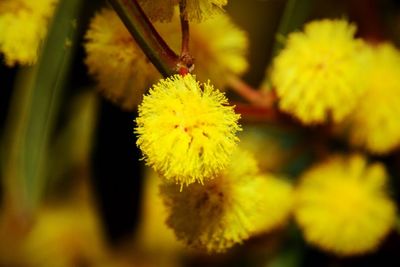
(228, 209)
(197, 10)
(342, 205)
(317, 74)
(186, 130)
(375, 123)
(116, 61)
(23, 27)
(216, 60)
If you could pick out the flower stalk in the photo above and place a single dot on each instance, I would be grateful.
(186, 60)
(147, 37)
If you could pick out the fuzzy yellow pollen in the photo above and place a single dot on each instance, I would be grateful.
(342, 205)
(186, 130)
(23, 27)
(375, 123)
(317, 74)
(228, 209)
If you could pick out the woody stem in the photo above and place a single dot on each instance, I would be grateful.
(146, 36)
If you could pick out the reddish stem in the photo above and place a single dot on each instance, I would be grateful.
(265, 98)
(186, 60)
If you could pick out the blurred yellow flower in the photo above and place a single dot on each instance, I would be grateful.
(115, 60)
(186, 130)
(197, 10)
(23, 27)
(228, 209)
(342, 205)
(375, 123)
(65, 236)
(317, 76)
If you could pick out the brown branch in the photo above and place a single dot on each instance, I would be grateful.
(258, 98)
(251, 113)
(147, 37)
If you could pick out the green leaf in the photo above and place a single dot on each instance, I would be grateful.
(294, 15)
(34, 110)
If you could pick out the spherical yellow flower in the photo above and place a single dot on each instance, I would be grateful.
(185, 129)
(375, 123)
(317, 75)
(115, 60)
(342, 205)
(228, 209)
(197, 10)
(23, 26)
(217, 60)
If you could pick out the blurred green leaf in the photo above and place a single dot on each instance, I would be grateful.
(75, 139)
(34, 109)
(294, 15)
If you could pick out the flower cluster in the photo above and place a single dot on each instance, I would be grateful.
(208, 183)
(228, 209)
(187, 134)
(124, 73)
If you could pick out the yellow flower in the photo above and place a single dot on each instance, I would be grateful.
(342, 205)
(317, 75)
(23, 26)
(197, 10)
(218, 59)
(375, 122)
(228, 209)
(185, 129)
(65, 236)
(115, 60)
